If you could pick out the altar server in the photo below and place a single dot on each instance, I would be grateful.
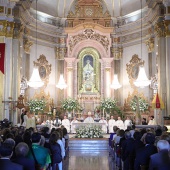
(127, 123)
(66, 123)
(111, 123)
(104, 127)
(119, 123)
(73, 127)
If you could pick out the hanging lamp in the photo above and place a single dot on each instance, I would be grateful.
(35, 80)
(115, 84)
(142, 81)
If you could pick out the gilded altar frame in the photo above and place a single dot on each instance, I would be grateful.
(96, 65)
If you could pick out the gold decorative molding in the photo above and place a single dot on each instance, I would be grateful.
(89, 11)
(133, 69)
(42, 95)
(69, 69)
(6, 28)
(88, 34)
(107, 69)
(117, 52)
(44, 69)
(2, 9)
(160, 29)
(167, 27)
(60, 53)
(130, 97)
(150, 44)
(27, 44)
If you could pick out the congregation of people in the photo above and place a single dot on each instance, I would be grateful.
(140, 149)
(27, 148)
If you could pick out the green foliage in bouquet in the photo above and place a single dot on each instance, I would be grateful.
(70, 105)
(89, 132)
(110, 105)
(143, 104)
(36, 105)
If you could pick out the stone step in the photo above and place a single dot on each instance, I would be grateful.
(89, 144)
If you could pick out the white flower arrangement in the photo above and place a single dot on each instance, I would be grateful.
(36, 105)
(70, 104)
(108, 103)
(89, 132)
(143, 104)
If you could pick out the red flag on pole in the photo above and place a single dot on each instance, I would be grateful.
(2, 56)
(158, 104)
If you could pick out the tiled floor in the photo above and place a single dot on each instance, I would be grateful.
(77, 160)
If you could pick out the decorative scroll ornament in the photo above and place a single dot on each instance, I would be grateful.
(89, 34)
(27, 45)
(133, 68)
(44, 69)
(150, 45)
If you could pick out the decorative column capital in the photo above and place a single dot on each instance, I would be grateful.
(60, 52)
(27, 45)
(160, 29)
(107, 62)
(167, 27)
(70, 62)
(117, 52)
(150, 44)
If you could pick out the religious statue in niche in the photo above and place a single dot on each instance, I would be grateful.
(88, 85)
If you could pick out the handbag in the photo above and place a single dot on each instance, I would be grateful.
(37, 166)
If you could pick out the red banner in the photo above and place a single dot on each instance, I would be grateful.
(2, 56)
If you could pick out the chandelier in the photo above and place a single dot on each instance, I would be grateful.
(61, 83)
(35, 80)
(142, 80)
(115, 84)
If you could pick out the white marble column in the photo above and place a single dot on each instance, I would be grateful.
(8, 76)
(107, 77)
(15, 76)
(167, 37)
(71, 84)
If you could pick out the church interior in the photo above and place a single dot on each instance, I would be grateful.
(85, 50)
(90, 61)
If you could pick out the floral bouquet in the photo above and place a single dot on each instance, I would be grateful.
(108, 104)
(143, 104)
(36, 105)
(89, 132)
(70, 104)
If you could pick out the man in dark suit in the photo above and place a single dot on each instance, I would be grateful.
(160, 160)
(143, 154)
(21, 151)
(5, 154)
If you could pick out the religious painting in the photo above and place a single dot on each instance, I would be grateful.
(42, 72)
(88, 72)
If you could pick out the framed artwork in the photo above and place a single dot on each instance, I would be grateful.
(132, 69)
(44, 69)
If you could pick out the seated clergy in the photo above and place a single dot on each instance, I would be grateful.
(104, 127)
(89, 119)
(73, 127)
(66, 123)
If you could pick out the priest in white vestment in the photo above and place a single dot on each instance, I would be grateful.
(30, 122)
(104, 127)
(127, 123)
(152, 121)
(66, 123)
(73, 127)
(119, 123)
(89, 119)
(111, 123)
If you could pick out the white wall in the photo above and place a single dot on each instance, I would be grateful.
(49, 53)
(128, 52)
